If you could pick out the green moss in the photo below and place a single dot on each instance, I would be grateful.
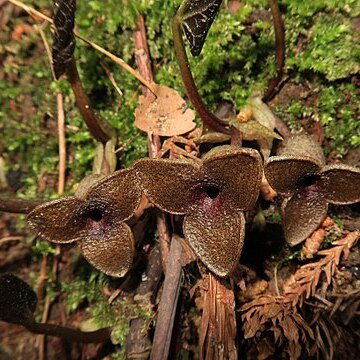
(42, 248)
(85, 288)
(331, 48)
(320, 40)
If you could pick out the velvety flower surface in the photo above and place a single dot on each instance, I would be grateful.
(212, 193)
(95, 218)
(300, 173)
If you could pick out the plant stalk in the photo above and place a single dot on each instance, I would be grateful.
(68, 334)
(83, 104)
(18, 206)
(206, 116)
(280, 50)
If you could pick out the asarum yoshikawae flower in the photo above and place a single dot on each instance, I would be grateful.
(95, 218)
(212, 193)
(300, 173)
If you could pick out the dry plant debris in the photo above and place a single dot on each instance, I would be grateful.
(280, 314)
(313, 242)
(218, 322)
(165, 114)
(268, 313)
(306, 279)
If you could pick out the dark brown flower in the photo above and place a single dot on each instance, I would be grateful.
(300, 173)
(212, 194)
(95, 218)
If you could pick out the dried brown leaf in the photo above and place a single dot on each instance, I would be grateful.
(253, 130)
(218, 325)
(265, 348)
(272, 310)
(277, 333)
(280, 317)
(294, 350)
(303, 326)
(349, 240)
(252, 326)
(290, 329)
(166, 114)
(313, 243)
(306, 278)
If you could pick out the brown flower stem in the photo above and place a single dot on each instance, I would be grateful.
(42, 337)
(280, 50)
(68, 334)
(164, 238)
(84, 106)
(62, 142)
(138, 344)
(143, 63)
(206, 116)
(235, 136)
(168, 303)
(282, 128)
(42, 279)
(142, 57)
(19, 206)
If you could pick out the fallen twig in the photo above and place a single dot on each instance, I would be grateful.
(138, 342)
(168, 303)
(154, 146)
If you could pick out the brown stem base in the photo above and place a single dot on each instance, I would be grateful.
(68, 334)
(19, 206)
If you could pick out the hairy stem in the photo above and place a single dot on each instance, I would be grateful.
(235, 136)
(68, 334)
(280, 50)
(142, 54)
(84, 106)
(282, 128)
(19, 206)
(206, 116)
